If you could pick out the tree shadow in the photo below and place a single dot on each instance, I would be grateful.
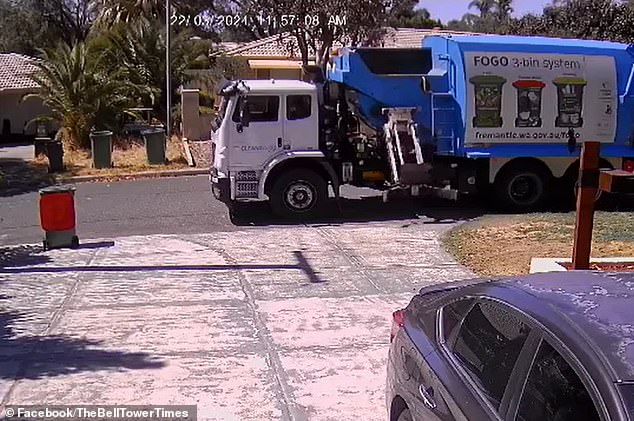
(17, 256)
(23, 177)
(37, 357)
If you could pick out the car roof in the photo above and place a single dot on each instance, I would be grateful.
(279, 85)
(599, 304)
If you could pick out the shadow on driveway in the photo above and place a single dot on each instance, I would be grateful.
(430, 210)
(37, 357)
(16, 256)
(303, 265)
(22, 177)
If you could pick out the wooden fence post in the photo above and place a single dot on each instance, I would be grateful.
(586, 196)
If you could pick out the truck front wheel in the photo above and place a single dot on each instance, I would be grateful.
(522, 189)
(299, 194)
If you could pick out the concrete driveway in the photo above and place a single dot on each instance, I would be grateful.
(268, 323)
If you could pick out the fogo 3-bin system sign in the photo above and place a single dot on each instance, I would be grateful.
(520, 98)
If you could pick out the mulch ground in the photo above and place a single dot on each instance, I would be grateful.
(201, 153)
(503, 245)
(610, 267)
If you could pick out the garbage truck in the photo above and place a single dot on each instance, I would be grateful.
(498, 115)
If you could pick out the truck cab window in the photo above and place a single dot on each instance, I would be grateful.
(298, 107)
(260, 108)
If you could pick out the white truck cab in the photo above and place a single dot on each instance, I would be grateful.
(262, 126)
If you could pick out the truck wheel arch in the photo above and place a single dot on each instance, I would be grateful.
(573, 169)
(568, 181)
(526, 163)
(317, 164)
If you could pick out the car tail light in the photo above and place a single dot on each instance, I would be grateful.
(398, 320)
(628, 165)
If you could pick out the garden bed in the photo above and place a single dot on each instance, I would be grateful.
(507, 244)
(128, 157)
(201, 151)
(611, 267)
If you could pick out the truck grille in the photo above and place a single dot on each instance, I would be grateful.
(247, 176)
(247, 184)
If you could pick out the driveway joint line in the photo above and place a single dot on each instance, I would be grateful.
(290, 409)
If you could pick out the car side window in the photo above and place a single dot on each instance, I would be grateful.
(298, 107)
(488, 345)
(261, 108)
(452, 315)
(554, 392)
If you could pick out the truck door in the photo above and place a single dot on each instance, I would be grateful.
(252, 145)
(301, 123)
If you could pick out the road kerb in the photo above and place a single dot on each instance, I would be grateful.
(136, 175)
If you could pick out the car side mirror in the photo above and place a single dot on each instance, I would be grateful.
(239, 127)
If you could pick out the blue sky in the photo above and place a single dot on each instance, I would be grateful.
(446, 10)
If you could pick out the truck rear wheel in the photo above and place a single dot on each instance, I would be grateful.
(522, 188)
(299, 194)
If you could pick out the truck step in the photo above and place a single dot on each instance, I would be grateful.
(415, 174)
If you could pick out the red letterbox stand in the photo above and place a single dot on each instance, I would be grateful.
(57, 217)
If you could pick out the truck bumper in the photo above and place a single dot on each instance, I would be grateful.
(221, 189)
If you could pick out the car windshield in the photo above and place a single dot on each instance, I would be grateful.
(627, 391)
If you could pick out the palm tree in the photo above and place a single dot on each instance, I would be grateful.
(503, 10)
(79, 93)
(112, 12)
(137, 50)
(484, 7)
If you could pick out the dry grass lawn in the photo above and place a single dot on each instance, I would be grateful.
(128, 157)
(504, 244)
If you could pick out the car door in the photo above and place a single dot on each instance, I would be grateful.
(253, 145)
(477, 357)
(554, 390)
(427, 393)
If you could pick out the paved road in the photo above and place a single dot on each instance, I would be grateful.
(165, 206)
(264, 323)
(184, 205)
(24, 152)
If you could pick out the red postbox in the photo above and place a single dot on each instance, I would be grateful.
(57, 217)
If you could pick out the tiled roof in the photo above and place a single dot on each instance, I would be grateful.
(284, 46)
(275, 46)
(227, 45)
(411, 37)
(14, 72)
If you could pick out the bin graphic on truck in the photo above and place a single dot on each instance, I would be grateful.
(529, 102)
(488, 100)
(569, 101)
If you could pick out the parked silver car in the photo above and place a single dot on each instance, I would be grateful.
(555, 346)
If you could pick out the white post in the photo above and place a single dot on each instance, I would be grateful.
(168, 69)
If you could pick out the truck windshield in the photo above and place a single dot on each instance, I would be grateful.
(222, 110)
(627, 391)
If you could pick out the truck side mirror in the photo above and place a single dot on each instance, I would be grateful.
(244, 113)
